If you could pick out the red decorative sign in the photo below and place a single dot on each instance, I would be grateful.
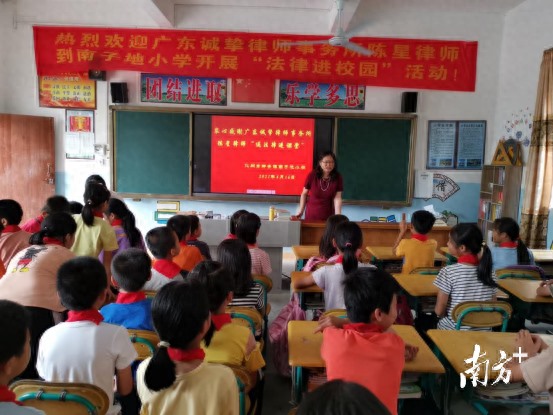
(403, 63)
(260, 155)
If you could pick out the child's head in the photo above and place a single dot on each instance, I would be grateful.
(466, 238)
(370, 295)
(180, 313)
(327, 248)
(247, 227)
(234, 220)
(236, 258)
(349, 240)
(422, 221)
(96, 198)
(11, 212)
(117, 209)
(131, 269)
(59, 225)
(341, 398)
(15, 348)
(217, 281)
(95, 178)
(507, 230)
(76, 208)
(82, 283)
(195, 226)
(181, 225)
(163, 242)
(54, 204)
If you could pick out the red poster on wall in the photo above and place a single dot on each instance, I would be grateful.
(260, 155)
(403, 63)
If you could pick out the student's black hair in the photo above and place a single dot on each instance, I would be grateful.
(95, 194)
(341, 398)
(179, 312)
(56, 203)
(319, 170)
(11, 211)
(194, 223)
(216, 279)
(247, 226)
(422, 221)
(326, 248)
(349, 239)
(80, 281)
(367, 289)
(56, 225)
(131, 269)
(181, 225)
(234, 220)
(95, 178)
(14, 325)
(511, 228)
(236, 258)
(121, 211)
(75, 207)
(469, 234)
(160, 241)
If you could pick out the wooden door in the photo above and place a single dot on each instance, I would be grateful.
(27, 169)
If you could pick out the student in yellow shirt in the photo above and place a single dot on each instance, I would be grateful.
(419, 250)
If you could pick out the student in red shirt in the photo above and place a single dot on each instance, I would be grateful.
(53, 204)
(366, 350)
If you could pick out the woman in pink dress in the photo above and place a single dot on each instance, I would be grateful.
(324, 187)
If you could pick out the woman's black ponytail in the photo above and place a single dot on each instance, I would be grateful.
(37, 238)
(56, 225)
(349, 239)
(95, 194)
(160, 373)
(485, 268)
(510, 227)
(120, 209)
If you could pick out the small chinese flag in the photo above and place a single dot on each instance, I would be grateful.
(253, 90)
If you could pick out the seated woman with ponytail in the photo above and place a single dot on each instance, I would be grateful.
(94, 234)
(30, 278)
(176, 380)
(348, 241)
(123, 223)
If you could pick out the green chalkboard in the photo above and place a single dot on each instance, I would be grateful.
(151, 152)
(375, 158)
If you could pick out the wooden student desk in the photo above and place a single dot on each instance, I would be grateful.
(524, 290)
(417, 285)
(303, 292)
(303, 253)
(305, 351)
(456, 346)
(384, 253)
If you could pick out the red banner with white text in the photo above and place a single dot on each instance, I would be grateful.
(402, 63)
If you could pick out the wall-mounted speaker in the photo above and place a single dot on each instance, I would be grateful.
(119, 93)
(409, 102)
(96, 75)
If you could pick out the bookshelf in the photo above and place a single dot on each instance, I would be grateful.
(499, 195)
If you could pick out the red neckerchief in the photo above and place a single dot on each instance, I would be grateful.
(128, 298)
(6, 395)
(231, 236)
(11, 229)
(364, 327)
(117, 222)
(183, 244)
(508, 244)
(193, 238)
(51, 241)
(468, 259)
(252, 246)
(39, 219)
(419, 237)
(98, 214)
(219, 320)
(339, 260)
(181, 355)
(167, 268)
(92, 315)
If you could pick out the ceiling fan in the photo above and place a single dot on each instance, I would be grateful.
(340, 38)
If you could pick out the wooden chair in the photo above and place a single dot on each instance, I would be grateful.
(62, 398)
(144, 342)
(265, 282)
(251, 315)
(150, 294)
(426, 270)
(530, 273)
(482, 314)
(245, 384)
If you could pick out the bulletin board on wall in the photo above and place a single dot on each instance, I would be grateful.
(166, 153)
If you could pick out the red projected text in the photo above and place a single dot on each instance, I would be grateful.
(260, 155)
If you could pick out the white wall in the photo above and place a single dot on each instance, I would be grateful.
(486, 28)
